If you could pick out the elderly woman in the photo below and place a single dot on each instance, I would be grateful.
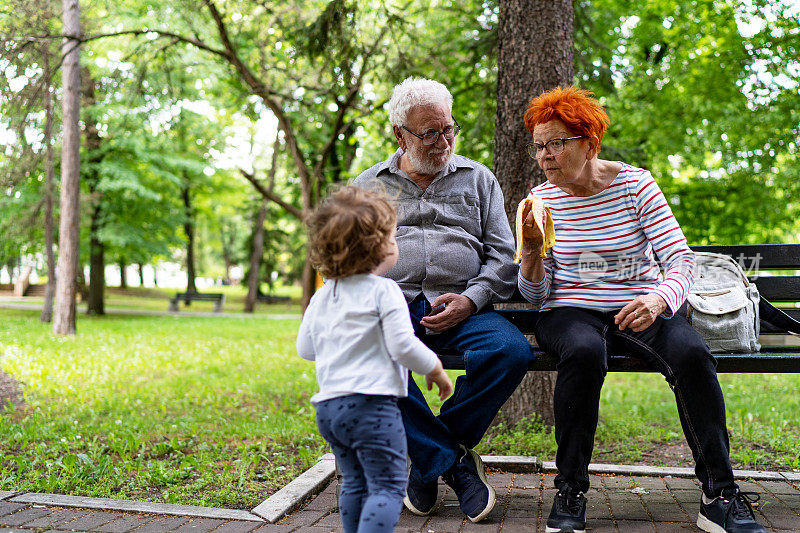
(601, 288)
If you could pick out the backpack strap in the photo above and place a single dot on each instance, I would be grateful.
(776, 317)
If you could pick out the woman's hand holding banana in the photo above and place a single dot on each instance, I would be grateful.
(535, 231)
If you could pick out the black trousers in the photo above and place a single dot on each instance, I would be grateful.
(582, 340)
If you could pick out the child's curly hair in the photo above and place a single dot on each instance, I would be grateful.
(349, 231)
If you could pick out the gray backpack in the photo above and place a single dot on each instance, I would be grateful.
(723, 305)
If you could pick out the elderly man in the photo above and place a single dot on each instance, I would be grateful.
(456, 258)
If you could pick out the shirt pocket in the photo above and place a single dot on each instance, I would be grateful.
(408, 212)
(462, 212)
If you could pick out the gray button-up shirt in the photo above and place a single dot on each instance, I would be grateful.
(453, 236)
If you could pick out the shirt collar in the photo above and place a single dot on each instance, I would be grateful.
(392, 164)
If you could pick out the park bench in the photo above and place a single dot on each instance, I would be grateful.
(187, 297)
(757, 259)
(271, 299)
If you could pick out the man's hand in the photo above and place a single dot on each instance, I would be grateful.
(456, 308)
(640, 313)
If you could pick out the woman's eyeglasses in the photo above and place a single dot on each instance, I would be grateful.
(554, 146)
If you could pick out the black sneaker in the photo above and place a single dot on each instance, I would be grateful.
(729, 513)
(420, 497)
(468, 481)
(568, 514)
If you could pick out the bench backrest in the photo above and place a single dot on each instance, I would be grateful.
(772, 267)
(200, 295)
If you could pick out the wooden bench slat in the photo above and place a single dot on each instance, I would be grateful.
(774, 362)
(525, 320)
(187, 297)
(779, 288)
(200, 295)
(770, 256)
(271, 299)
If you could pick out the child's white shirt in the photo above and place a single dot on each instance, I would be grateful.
(358, 332)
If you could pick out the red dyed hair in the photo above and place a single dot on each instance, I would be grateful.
(576, 108)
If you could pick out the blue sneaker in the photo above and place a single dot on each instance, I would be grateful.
(421, 497)
(729, 513)
(468, 480)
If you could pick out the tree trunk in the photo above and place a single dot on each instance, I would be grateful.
(49, 189)
(123, 275)
(309, 282)
(536, 48)
(188, 228)
(227, 237)
(97, 264)
(97, 267)
(69, 231)
(83, 288)
(140, 267)
(255, 259)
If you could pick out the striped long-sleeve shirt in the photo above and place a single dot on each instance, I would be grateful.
(611, 247)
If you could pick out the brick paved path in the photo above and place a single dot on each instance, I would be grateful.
(616, 503)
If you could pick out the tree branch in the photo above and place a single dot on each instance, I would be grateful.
(340, 126)
(269, 195)
(196, 42)
(261, 90)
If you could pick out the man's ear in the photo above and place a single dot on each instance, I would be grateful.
(398, 133)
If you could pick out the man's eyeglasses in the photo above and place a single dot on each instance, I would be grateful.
(554, 146)
(432, 136)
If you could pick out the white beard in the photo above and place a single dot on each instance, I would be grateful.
(422, 163)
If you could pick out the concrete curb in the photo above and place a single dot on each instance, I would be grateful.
(314, 480)
(110, 504)
(292, 495)
(517, 464)
(636, 470)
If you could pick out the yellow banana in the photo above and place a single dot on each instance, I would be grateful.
(541, 215)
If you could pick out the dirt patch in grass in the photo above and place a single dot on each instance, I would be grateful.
(678, 454)
(10, 391)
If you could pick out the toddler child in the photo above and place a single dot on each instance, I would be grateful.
(358, 331)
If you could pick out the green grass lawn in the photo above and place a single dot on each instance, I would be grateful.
(215, 411)
(204, 411)
(157, 299)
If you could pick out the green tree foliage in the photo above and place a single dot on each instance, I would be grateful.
(23, 87)
(705, 94)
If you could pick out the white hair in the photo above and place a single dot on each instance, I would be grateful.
(413, 92)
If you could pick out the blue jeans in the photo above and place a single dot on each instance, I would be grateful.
(496, 356)
(582, 340)
(366, 435)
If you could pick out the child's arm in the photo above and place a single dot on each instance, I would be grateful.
(305, 346)
(442, 380)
